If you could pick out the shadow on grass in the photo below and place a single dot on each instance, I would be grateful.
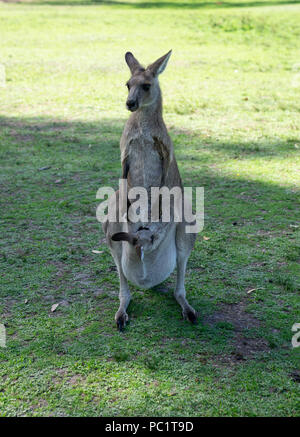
(76, 134)
(165, 4)
(56, 202)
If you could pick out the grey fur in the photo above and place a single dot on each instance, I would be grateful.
(147, 253)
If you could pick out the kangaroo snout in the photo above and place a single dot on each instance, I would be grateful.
(132, 105)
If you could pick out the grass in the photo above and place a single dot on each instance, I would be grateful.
(231, 103)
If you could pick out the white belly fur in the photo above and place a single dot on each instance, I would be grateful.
(155, 267)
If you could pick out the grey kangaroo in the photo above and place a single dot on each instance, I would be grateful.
(147, 253)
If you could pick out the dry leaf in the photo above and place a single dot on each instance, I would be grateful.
(54, 306)
(254, 289)
(26, 301)
(97, 251)
(206, 238)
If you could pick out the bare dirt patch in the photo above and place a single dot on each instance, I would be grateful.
(75, 379)
(245, 348)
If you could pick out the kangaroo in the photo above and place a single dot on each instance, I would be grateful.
(147, 253)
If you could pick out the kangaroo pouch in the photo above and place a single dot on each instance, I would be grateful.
(155, 267)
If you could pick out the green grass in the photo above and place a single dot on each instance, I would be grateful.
(232, 105)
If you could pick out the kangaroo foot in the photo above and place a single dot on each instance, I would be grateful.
(121, 319)
(190, 314)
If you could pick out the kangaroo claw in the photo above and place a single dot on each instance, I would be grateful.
(121, 321)
(190, 315)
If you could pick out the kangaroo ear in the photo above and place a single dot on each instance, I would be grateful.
(133, 63)
(160, 64)
(124, 236)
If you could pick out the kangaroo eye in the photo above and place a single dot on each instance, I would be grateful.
(127, 84)
(146, 86)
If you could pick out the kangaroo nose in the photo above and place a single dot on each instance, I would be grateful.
(130, 103)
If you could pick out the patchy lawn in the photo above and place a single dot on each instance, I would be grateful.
(231, 102)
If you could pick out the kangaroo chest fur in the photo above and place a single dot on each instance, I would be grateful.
(145, 153)
(145, 163)
(155, 267)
